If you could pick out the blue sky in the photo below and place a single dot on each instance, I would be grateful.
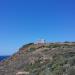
(24, 21)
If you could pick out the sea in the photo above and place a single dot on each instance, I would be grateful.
(3, 57)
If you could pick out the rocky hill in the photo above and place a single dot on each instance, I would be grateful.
(41, 59)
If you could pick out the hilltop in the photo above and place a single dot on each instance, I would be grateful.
(41, 59)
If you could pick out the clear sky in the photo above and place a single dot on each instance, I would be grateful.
(24, 21)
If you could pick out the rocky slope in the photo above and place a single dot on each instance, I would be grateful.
(41, 59)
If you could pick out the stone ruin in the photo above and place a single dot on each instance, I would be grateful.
(41, 41)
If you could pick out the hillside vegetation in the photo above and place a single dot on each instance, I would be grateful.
(41, 59)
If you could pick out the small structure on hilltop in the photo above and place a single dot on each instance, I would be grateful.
(41, 41)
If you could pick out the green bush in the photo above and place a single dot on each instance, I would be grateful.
(26, 45)
(32, 49)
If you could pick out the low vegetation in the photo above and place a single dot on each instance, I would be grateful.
(46, 59)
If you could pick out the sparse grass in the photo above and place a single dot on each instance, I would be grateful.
(62, 63)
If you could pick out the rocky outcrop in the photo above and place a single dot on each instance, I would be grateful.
(44, 59)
